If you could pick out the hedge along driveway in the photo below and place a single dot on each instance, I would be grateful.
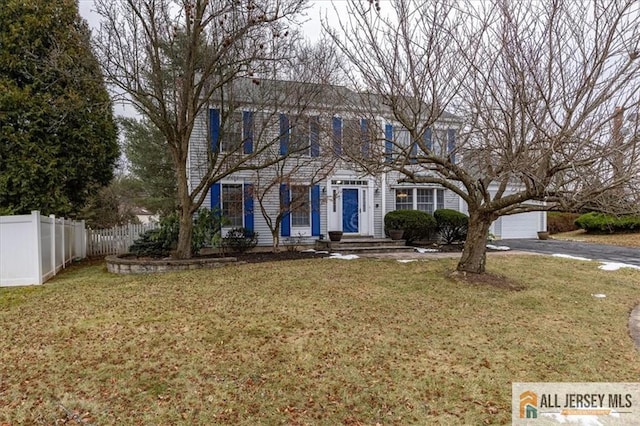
(601, 252)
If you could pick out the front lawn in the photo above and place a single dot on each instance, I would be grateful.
(308, 342)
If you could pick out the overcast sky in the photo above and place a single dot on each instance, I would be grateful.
(311, 29)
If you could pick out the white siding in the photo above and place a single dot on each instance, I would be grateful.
(305, 169)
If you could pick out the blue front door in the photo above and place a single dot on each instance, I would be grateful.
(350, 210)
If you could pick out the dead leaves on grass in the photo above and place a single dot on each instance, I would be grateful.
(487, 279)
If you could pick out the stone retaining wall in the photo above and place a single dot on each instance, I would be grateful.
(119, 265)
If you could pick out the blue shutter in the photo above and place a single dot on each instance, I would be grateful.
(364, 129)
(215, 196)
(388, 143)
(314, 127)
(451, 144)
(337, 136)
(428, 143)
(248, 206)
(214, 129)
(285, 224)
(284, 134)
(315, 210)
(247, 130)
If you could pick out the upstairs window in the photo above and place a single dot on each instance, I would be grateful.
(299, 135)
(299, 142)
(357, 135)
(232, 136)
(238, 132)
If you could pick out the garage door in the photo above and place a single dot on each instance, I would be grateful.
(523, 225)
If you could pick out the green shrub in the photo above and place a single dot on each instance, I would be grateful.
(240, 239)
(452, 225)
(161, 241)
(417, 225)
(158, 242)
(206, 229)
(600, 223)
(561, 222)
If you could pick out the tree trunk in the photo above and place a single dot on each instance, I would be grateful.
(276, 240)
(183, 251)
(474, 254)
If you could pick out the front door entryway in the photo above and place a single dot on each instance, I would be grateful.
(350, 206)
(350, 210)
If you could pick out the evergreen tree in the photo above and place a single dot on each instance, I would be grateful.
(150, 164)
(58, 139)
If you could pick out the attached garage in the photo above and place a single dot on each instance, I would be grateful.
(523, 225)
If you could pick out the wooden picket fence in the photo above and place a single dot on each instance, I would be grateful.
(116, 240)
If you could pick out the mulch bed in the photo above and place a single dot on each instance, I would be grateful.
(268, 256)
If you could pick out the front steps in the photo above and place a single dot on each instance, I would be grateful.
(363, 245)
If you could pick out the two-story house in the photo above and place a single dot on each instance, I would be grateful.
(284, 152)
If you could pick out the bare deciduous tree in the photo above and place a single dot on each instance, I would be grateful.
(172, 57)
(307, 92)
(535, 85)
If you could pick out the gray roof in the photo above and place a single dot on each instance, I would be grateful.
(332, 98)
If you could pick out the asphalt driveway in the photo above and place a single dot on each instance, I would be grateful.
(602, 252)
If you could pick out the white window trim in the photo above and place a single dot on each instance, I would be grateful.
(227, 228)
(414, 190)
(297, 229)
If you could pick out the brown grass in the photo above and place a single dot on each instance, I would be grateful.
(624, 240)
(308, 342)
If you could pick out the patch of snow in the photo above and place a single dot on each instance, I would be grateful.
(606, 266)
(322, 252)
(568, 256)
(494, 247)
(614, 266)
(583, 420)
(344, 256)
(407, 260)
(426, 250)
(308, 251)
(599, 296)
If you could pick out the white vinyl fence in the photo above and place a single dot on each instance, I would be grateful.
(33, 248)
(116, 240)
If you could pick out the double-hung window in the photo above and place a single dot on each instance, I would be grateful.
(403, 140)
(232, 202)
(424, 200)
(238, 132)
(404, 199)
(300, 141)
(232, 137)
(300, 206)
(299, 135)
